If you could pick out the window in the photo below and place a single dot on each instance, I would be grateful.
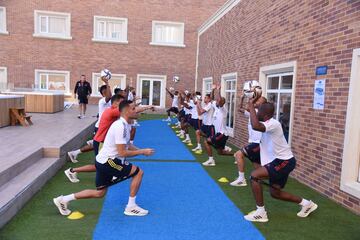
(3, 21)
(116, 81)
(207, 85)
(3, 78)
(279, 91)
(52, 25)
(49, 80)
(110, 29)
(168, 34)
(350, 173)
(151, 89)
(228, 82)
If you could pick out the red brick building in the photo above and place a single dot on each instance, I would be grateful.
(281, 43)
(47, 45)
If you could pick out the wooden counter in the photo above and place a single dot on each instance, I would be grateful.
(42, 102)
(7, 102)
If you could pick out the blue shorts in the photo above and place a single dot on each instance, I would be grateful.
(252, 152)
(187, 118)
(112, 168)
(219, 141)
(196, 123)
(279, 171)
(208, 130)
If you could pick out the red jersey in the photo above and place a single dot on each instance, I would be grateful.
(109, 116)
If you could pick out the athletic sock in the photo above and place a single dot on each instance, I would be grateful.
(76, 152)
(199, 146)
(69, 198)
(304, 202)
(241, 175)
(131, 201)
(260, 209)
(132, 141)
(187, 137)
(211, 158)
(182, 132)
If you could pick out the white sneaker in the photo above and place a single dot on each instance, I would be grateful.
(195, 149)
(72, 157)
(61, 205)
(257, 216)
(235, 162)
(90, 142)
(306, 210)
(228, 149)
(186, 141)
(135, 211)
(239, 183)
(79, 116)
(72, 176)
(209, 163)
(198, 151)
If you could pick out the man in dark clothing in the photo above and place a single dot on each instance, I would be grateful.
(83, 91)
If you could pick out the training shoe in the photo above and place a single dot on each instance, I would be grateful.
(79, 116)
(72, 157)
(228, 149)
(61, 205)
(186, 141)
(90, 142)
(72, 176)
(178, 131)
(198, 151)
(306, 210)
(257, 216)
(239, 183)
(135, 211)
(190, 144)
(235, 162)
(195, 149)
(209, 163)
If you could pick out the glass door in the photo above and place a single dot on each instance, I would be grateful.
(151, 92)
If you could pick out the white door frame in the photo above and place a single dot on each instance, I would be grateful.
(161, 78)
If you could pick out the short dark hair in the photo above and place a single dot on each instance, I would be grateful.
(102, 88)
(117, 90)
(115, 98)
(208, 95)
(198, 93)
(268, 108)
(124, 104)
(176, 92)
(82, 75)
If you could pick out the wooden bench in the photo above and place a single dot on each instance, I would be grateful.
(18, 115)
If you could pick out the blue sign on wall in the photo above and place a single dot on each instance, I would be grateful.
(322, 70)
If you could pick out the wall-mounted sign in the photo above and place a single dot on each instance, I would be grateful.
(322, 70)
(319, 94)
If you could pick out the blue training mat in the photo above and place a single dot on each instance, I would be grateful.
(184, 203)
(158, 135)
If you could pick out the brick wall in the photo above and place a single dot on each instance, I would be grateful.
(259, 33)
(21, 53)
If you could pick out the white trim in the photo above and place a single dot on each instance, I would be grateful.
(162, 78)
(179, 24)
(108, 40)
(6, 79)
(5, 32)
(67, 80)
(197, 62)
(230, 4)
(351, 154)
(225, 77)
(38, 34)
(278, 69)
(95, 90)
(207, 79)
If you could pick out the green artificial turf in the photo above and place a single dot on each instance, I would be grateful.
(39, 219)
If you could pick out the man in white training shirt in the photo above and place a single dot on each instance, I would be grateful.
(174, 105)
(277, 162)
(111, 162)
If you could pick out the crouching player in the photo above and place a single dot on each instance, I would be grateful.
(111, 162)
(277, 163)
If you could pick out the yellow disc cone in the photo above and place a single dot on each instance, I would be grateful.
(223, 180)
(75, 215)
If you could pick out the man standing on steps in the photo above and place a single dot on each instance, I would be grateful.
(111, 162)
(83, 91)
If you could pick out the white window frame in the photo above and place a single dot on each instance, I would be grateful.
(206, 81)
(37, 26)
(3, 29)
(95, 90)
(6, 79)
(152, 77)
(43, 71)
(180, 24)
(110, 40)
(350, 179)
(289, 67)
(224, 78)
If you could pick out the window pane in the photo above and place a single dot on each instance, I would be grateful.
(284, 112)
(168, 33)
(272, 98)
(117, 31)
(56, 82)
(101, 29)
(286, 82)
(57, 25)
(145, 92)
(43, 24)
(2, 27)
(156, 93)
(3, 83)
(273, 82)
(43, 81)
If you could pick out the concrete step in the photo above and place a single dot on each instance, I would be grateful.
(17, 191)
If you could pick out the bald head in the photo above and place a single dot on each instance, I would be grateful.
(266, 111)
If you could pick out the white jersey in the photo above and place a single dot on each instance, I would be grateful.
(130, 96)
(273, 143)
(254, 136)
(102, 106)
(194, 112)
(187, 111)
(220, 115)
(208, 115)
(119, 133)
(175, 101)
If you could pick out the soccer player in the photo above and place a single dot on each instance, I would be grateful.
(277, 162)
(252, 150)
(174, 105)
(187, 110)
(218, 141)
(111, 162)
(196, 121)
(83, 91)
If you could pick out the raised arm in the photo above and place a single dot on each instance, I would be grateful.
(171, 95)
(108, 93)
(255, 123)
